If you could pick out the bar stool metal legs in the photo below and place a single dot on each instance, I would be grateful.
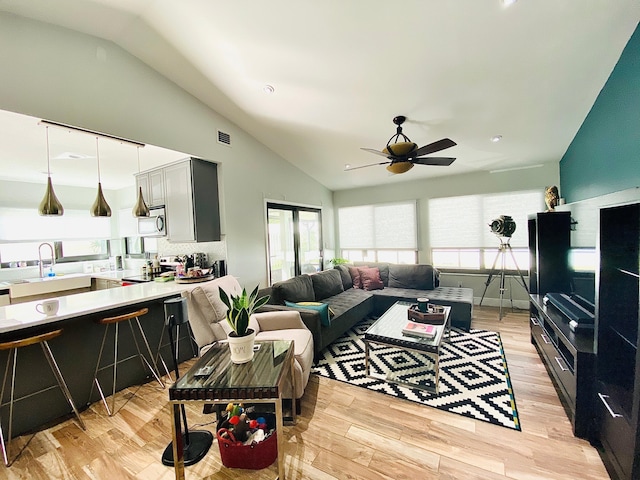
(149, 364)
(13, 347)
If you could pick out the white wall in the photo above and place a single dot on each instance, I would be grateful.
(72, 78)
(467, 184)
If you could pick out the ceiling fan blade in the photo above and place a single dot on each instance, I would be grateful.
(377, 152)
(440, 161)
(363, 166)
(435, 147)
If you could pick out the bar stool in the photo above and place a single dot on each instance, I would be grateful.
(13, 347)
(115, 321)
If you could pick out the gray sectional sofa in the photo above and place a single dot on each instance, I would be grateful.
(310, 294)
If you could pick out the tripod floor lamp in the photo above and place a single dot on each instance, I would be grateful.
(503, 227)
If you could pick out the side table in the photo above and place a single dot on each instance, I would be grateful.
(258, 381)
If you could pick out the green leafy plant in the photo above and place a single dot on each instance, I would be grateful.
(338, 261)
(240, 308)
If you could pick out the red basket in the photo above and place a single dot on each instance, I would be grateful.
(254, 457)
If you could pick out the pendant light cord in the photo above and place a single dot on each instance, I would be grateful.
(98, 157)
(48, 162)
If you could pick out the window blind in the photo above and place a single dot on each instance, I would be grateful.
(378, 226)
(463, 222)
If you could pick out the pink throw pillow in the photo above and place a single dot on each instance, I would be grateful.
(355, 277)
(370, 278)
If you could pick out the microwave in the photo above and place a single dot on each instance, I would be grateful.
(154, 225)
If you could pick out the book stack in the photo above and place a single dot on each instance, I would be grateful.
(422, 330)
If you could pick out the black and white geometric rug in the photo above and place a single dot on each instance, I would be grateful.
(474, 378)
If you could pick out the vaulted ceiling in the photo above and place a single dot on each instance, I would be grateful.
(341, 70)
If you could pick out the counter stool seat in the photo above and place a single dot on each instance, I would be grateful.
(13, 347)
(149, 364)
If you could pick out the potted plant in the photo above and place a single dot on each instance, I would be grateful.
(338, 261)
(239, 310)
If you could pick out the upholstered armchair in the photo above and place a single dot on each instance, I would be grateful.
(207, 318)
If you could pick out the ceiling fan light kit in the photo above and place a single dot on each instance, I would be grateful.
(403, 154)
(400, 167)
(50, 205)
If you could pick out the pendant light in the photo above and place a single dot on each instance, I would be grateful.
(100, 207)
(140, 209)
(50, 205)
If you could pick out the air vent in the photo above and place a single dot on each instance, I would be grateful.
(224, 138)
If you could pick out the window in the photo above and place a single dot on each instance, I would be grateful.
(379, 233)
(461, 237)
(294, 239)
(81, 250)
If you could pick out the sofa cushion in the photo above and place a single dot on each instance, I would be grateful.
(370, 278)
(326, 284)
(355, 277)
(419, 277)
(303, 352)
(207, 313)
(296, 289)
(322, 308)
(345, 275)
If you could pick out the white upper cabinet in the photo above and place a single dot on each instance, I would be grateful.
(152, 184)
(191, 201)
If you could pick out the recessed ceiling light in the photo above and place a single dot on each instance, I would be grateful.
(268, 89)
(496, 138)
(506, 3)
(347, 166)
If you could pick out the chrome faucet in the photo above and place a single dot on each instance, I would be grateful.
(40, 262)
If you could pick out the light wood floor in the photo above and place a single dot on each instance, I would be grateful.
(344, 432)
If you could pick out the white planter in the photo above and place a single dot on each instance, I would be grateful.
(241, 348)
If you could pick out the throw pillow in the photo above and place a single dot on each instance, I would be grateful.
(355, 276)
(326, 284)
(370, 278)
(322, 308)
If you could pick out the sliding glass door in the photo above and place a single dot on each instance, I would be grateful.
(295, 241)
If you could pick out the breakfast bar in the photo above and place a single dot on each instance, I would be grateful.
(76, 349)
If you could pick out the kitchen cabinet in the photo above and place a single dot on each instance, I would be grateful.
(191, 201)
(617, 322)
(152, 183)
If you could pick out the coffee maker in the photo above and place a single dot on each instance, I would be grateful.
(219, 268)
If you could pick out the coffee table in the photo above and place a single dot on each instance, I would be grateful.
(258, 381)
(387, 331)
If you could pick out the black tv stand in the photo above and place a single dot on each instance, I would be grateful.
(570, 360)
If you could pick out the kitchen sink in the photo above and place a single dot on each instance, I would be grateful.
(38, 286)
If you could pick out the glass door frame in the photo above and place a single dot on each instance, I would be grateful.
(295, 209)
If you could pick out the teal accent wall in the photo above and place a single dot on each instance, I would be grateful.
(604, 156)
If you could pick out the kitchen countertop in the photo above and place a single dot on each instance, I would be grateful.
(23, 315)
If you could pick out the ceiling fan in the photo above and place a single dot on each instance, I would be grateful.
(403, 155)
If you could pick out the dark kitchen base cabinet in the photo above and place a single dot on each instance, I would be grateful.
(618, 363)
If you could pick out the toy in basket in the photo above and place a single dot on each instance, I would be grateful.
(247, 439)
(434, 314)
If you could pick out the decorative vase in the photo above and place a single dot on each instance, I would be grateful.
(241, 348)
